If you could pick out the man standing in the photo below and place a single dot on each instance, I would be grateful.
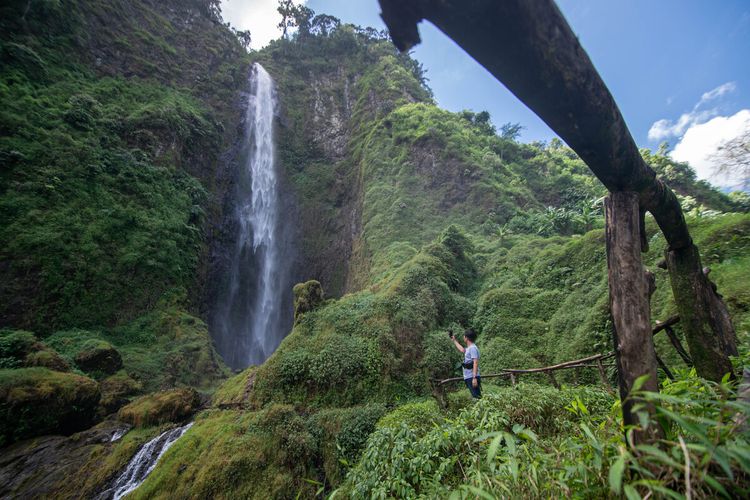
(471, 362)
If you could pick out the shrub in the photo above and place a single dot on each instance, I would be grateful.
(420, 416)
(15, 345)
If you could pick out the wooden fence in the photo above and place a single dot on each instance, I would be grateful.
(596, 361)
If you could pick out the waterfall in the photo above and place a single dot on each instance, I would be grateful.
(142, 464)
(248, 324)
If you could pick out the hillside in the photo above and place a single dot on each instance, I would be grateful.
(122, 128)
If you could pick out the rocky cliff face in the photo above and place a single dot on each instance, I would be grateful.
(326, 112)
(116, 115)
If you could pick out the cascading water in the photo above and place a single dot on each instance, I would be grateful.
(142, 464)
(248, 323)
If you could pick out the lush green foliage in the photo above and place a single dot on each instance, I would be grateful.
(535, 442)
(365, 346)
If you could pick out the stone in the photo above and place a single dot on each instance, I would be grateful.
(174, 405)
(38, 401)
(99, 357)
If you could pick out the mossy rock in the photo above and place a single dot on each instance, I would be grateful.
(47, 358)
(307, 297)
(38, 401)
(115, 391)
(99, 357)
(158, 408)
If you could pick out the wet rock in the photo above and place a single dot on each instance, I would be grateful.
(160, 407)
(99, 357)
(38, 401)
(42, 467)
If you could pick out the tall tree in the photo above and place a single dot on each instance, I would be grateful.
(303, 16)
(733, 159)
(324, 25)
(511, 131)
(287, 9)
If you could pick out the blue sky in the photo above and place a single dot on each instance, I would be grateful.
(677, 68)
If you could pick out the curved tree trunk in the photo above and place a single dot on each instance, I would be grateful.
(529, 47)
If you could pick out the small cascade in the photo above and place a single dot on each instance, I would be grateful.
(248, 324)
(142, 464)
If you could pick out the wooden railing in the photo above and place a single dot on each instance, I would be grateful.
(595, 361)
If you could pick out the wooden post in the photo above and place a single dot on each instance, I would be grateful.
(703, 315)
(678, 345)
(664, 368)
(552, 379)
(602, 374)
(629, 304)
(438, 392)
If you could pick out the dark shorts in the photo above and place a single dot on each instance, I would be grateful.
(475, 392)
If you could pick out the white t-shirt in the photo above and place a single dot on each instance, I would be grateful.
(471, 353)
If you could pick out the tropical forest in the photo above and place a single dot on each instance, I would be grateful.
(286, 270)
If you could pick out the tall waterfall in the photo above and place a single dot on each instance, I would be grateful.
(249, 325)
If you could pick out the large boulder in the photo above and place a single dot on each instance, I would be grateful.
(160, 407)
(47, 358)
(38, 401)
(99, 357)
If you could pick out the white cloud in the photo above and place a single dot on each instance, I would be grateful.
(664, 128)
(701, 140)
(717, 92)
(258, 16)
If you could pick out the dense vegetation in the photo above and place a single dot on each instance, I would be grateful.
(411, 220)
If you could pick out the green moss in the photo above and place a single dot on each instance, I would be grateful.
(161, 407)
(47, 358)
(38, 401)
(235, 390)
(116, 389)
(307, 296)
(102, 464)
(231, 454)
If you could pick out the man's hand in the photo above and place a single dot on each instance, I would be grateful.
(474, 382)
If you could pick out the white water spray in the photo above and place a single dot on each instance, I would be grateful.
(143, 463)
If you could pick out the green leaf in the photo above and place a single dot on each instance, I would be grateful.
(631, 493)
(492, 450)
(638, 384)
(480, 492)
(716, 485)
(615, 475)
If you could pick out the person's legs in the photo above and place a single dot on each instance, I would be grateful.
(476, 392)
